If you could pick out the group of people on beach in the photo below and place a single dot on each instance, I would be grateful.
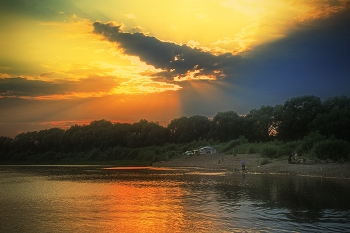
(293, 158)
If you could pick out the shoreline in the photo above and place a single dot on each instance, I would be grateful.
(280, 166)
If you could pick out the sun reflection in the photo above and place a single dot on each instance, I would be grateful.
(146, 207)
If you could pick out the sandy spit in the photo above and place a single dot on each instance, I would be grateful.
(231, 163)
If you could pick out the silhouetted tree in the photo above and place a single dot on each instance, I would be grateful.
(104, 140)
(260, 124)
(187, 129)
(5, 148)
(49, 139)
(297, 115)
(226, 126)
(335, 119)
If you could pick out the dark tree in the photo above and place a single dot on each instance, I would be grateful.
(5, 148)
(188, 129)
(296, 117)
(261, 124)
(340, 102)
(25, 142)
(49, 140)
(104, 140)
(335, 119)
(226, 126)
(121, 133)
(144, 133)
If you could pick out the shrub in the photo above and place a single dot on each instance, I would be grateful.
(269, 151)
(264, 161)
(132, 154)
(172, 154)
(236, 142)
(332, 149)
(146, 156)
(120, 153)
(287, 148)
(252, 149)
(305, 146)
(240, 149)
(170, 147)
(94, 153)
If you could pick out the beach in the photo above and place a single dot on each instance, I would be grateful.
(232, 163)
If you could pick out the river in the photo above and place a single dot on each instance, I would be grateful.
(146, 199)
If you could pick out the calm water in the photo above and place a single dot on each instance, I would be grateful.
(95, 199)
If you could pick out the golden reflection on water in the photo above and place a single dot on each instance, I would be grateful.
(154, 206)
(146, 208)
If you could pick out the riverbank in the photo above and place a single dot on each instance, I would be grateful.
(231, 163)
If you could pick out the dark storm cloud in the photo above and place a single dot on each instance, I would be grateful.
(11, 87)
(314, 59)
(22, 87)
(175, 59)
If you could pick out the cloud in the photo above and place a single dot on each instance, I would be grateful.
(46, 74)
(314, 59)
(176, 61)
(130, 16)
(40, 9)
(25, 88)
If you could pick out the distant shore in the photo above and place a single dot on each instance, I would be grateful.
(231, 163)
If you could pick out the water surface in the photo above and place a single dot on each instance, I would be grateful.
(100, 199)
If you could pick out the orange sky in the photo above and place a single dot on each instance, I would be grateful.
(57, 68)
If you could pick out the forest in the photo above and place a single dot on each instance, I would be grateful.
(304, 124)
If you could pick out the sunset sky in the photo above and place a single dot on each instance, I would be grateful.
(65, 62)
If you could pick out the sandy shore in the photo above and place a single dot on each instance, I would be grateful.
(232, 163)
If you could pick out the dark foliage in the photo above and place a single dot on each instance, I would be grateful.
(306, 119)
(332, 149)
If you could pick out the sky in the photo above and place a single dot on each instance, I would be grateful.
(75, 61)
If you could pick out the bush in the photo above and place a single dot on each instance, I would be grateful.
(132, 154)
(252, 149)
(269, 151)
(94, 153)
(172, 154)
(146, 155)
(332, 149)
(240, 149)
(287, 148)
(233, 144)
(264, 161)
(169, 147)
(305, 146)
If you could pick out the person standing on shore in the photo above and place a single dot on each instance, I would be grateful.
(243, 164)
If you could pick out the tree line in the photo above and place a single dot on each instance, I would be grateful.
(295, 119)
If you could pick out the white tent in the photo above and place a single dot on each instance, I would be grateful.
(206, 150)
